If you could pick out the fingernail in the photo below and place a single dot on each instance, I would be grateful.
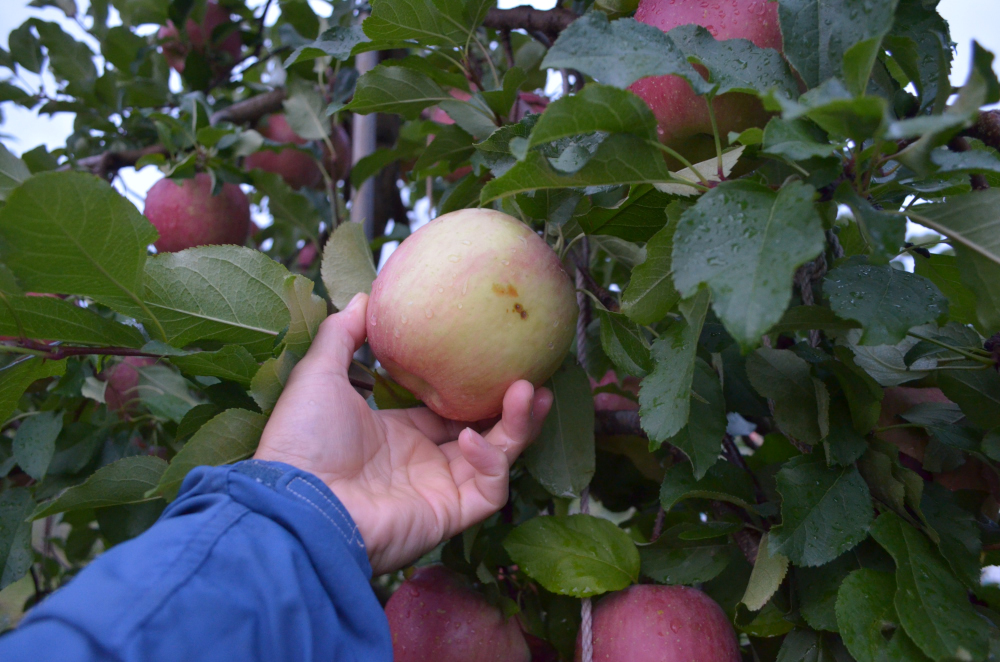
(354, 301)
(478, 438)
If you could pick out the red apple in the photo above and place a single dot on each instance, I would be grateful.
(436, 617)
(682, 116)
(467, 305)
(298, 169)
(223, 53)
(648, 623)
(613, 401)
(122, 392)
(187, 214)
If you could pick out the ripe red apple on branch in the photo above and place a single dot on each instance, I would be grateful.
(221, 50)
(649, 623)
(467, 305)
(122, 391)
(683, 120)
(186, 214)
(298, 169)
(436, 617)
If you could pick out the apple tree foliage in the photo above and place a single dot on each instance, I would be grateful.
(817, 428)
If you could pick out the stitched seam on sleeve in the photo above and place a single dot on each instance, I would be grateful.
(351, 536)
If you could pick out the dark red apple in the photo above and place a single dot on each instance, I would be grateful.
(648, 623)
(298, 169)
(613, 401)
(222, 53)
(122, 392)
(436, 617)
(186, 214)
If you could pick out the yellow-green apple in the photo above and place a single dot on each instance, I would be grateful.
(682, 116)
(186, 214)
(650, 623)
(467, 305)
(222, 51)
(436, 617)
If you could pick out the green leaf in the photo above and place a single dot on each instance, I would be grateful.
(701, 438)
(16, 555)
(232, 362)
(451, 144)
(125, 481)
(769, 571)
(932, 606)
(886, 363)
(817, 590)
(883, 233)
(288, 208)
(16, 376)
(307, 311)
(722, 482)
(920, 44)
(824, 511)
(959, 536)
(665, 395)
(745, 242)
(25, 47)
(338, 42)
(578, 555)
(71, 233)
(13, 172)
(735, 65)
(887, 301)
(427, 22)
(796, 140)
(390, 395)
(965, 219)
(226, 293)
(618, 53)
(400, 90)
(785, 378)
(837, 111)
(863, 394)
(165, 392)
(965, 281)
(977, 392)
(47, 318)
(229, 437)
(595, 108)
(644, 213)
(347, 265)
(267, 385)
(650, 294)
(624, 343)
(69, 60)
(620, 159)
(304, 110)
(804, 318)
(818, 33)
(864, 609)
(35, 442)
(673, 559)
(562, 458)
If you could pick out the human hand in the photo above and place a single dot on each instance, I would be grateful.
(409, 478)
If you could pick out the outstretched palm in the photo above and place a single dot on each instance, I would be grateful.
(408, 477)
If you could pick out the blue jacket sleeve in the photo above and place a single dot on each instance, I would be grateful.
(254, 561)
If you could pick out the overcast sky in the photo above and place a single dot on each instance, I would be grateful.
(23, 130)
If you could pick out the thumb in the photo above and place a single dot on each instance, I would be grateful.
(339, 336)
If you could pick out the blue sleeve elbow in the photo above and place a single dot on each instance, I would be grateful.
(255, 561)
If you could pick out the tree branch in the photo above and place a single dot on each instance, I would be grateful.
(243, 112)
(525, 17)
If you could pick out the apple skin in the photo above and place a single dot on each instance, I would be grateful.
(199, 36)
(467, 305)
(649, 623)
(298, 169)
(681, 115)
(435, 617)
(188, 215)
(121, 393)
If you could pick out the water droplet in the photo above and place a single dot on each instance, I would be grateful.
(403, 319)
(428, 313)
(504, 262)
(395, 333)
(440, 289)
(460, 306)
(551, 346)
(556, 323)
(373, 321)
(454, 258)
(465, 287)
(466, 242)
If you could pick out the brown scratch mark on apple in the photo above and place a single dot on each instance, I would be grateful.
(501, 290)
(518, 308)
